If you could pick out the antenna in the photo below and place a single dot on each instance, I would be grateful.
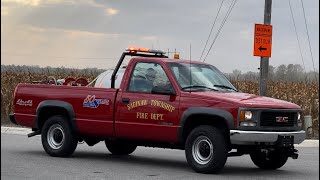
(190, 51)
(190, 69)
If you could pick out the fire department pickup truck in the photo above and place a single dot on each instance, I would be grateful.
(162, 102)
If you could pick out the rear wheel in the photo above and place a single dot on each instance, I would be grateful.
(120, 148)
(57, 137)
(274, 160)
(206, 149)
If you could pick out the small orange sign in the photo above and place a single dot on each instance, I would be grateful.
(262, 40)
(263, 30)
(262, 46)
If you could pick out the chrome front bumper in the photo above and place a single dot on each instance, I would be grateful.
(252, 137)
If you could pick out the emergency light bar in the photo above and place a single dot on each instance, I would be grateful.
(133, 51)
(147, 50)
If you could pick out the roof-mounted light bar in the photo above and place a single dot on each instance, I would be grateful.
(133, 51)
(147, 50)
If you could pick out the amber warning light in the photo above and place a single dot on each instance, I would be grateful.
(147, 50)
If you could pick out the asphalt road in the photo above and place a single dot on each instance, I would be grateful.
(24, 158)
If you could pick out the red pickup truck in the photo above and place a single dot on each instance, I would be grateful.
(162, 102)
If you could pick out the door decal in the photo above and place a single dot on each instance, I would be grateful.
(151, 116)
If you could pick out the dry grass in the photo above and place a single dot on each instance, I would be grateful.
(304, 94)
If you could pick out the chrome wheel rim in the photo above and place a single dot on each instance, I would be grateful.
(202, 150)
(55, 136)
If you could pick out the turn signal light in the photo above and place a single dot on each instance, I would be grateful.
(241, 117)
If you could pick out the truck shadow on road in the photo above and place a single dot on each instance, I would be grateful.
(134, 159)
(175, 163)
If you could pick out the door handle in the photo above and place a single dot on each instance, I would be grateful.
(125, 100)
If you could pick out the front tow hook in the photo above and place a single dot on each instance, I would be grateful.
(295, 154)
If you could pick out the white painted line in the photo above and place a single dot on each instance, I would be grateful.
(15, 130)
(308, 143)
(25, 131)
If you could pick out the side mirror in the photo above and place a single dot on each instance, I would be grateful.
(165, 90)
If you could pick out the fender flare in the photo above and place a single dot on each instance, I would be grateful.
(60, 104)
(227, 116)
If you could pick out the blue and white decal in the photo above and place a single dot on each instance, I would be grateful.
(91, 102)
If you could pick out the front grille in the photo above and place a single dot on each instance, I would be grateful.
(270, 119)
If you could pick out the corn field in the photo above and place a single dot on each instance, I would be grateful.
(304, 94)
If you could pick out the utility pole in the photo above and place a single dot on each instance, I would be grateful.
(264, 61)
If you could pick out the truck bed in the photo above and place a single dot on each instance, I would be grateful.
(93, 107)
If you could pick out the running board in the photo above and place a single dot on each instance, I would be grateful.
(233, 154)
(34, 133)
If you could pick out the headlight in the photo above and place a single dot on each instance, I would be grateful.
(246, 118)
(245, 115)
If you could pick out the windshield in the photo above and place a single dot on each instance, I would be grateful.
(204, 77)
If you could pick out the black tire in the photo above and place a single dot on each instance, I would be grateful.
(57, 137)
(274, 161)
(201, 141)
(120, 148)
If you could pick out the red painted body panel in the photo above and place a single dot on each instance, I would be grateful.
(25, 119)
(245, 99)
(148, 121)
(194, 99)
(90, 121)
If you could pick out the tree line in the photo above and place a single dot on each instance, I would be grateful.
(290, 72)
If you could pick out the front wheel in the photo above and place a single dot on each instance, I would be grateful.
(275, 160)
(57, 137)
(206, 149)
(120, 148)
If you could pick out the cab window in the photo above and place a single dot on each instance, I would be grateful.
(147, 76)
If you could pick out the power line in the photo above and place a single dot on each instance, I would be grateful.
(295, 29)
(221, 26)
(305, 22)
(214, 22)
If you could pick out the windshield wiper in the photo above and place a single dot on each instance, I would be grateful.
(198, 86)
(225, 87)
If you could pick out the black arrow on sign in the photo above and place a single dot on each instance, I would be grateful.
(262, 48)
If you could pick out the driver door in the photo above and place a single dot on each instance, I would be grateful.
(145, 115)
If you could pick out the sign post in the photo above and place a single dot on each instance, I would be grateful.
(262, 46)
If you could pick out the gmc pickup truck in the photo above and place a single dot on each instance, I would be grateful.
(162, 102)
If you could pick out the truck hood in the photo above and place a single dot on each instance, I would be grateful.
(246, 100)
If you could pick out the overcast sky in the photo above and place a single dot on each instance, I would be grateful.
(94, 33)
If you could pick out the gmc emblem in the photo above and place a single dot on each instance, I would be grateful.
(282, 119)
